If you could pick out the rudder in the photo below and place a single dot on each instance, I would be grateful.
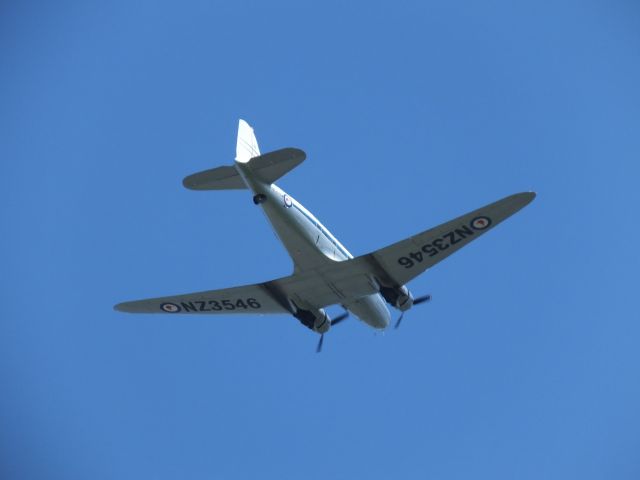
(246, 145)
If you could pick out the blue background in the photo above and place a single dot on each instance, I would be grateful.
(526, 363)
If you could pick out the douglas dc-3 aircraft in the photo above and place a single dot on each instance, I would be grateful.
(325, 273)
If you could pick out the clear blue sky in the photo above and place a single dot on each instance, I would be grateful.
(526, 365)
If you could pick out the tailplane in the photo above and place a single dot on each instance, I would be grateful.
(268, 167)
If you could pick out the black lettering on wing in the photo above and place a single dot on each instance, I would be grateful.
(201, 306)
(438, 243)
(189, 307)
(464, 232)
(452, 238)
(429, 250)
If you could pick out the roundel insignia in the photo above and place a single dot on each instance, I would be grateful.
(287, 201)
(170, 307)
(480, 223)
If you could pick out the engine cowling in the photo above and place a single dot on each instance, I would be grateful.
(399, 297)
(316, 320)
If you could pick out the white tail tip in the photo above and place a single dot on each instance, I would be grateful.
(247, 145)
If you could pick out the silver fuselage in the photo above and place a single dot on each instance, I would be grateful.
(310, 244)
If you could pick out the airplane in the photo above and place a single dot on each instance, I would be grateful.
(325, 273)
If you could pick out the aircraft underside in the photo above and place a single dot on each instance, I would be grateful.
(325, 273)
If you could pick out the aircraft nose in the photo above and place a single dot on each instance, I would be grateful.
(382, 318)
(380, 325)
(372, 310)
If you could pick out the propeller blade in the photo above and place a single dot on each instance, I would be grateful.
(339, 318)
(399, 320)
(423, 299)
(416, 301)
(334, 321)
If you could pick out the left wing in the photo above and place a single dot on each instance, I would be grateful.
(251, 299)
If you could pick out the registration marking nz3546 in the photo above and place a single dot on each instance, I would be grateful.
(442, 243)
(210, 305)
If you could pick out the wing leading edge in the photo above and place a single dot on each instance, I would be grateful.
(339, 282)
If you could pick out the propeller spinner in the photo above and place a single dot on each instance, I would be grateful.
(416, 301)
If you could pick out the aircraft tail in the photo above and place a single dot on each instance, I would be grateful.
(247, 145)
(268, 167)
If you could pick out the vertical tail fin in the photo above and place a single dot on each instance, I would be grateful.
(247, 145)
(266, 168)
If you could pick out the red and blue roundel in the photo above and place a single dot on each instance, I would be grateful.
(480, 223)
(287, 200)
(170, 307)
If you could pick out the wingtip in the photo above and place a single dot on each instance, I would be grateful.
(526, 197)
(188, 183)
(121, 307)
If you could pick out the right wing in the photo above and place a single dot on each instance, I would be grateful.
(406, 259)
(397, 264)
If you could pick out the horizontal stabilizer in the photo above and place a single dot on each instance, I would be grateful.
(268, 168)
(221, 178)
(273, 165)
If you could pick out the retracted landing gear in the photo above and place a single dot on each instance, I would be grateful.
(259, 198)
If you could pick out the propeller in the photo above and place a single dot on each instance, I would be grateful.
(422, 299)
(339, 318)
(334, 321)
(416, 301)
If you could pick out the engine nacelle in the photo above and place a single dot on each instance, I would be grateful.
(316, 320)
(399, 297)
